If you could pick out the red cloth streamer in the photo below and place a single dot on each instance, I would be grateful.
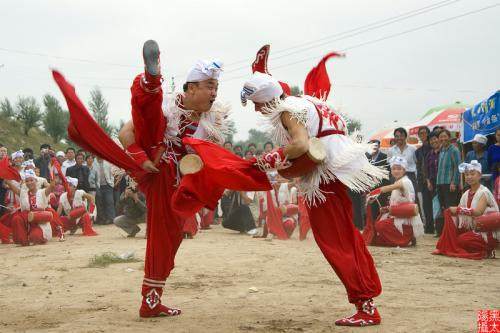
(317, 82)
(84, 131)
(274, 219)
(57, 165)
(221, 170)
(8, 172)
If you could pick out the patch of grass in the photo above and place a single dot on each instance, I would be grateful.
(107, 258)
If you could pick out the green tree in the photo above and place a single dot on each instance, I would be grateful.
(232, 130)
(6, 109)
(257, 137)
(99, 108)
(353, 124)
(295, 91)
(55, 119)
(28, 113)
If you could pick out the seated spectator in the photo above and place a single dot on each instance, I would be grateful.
(132, 207)
(390, 230)
(460, 238)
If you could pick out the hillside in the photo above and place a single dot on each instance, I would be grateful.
(12, 136)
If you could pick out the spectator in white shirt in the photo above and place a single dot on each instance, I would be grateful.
(70, 160)
(402, 149)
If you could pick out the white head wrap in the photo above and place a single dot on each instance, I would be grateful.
(479, 138)
(60, 153)
(28, 174)
(28, 163)
(398, 160)
(474, 165)
(17, 154)
(204, 70)
(261, 88)
(72, 181)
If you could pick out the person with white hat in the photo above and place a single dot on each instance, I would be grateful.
(461, 236)
(61, 157)
(26, 229)
(292, 122)
(77, 205)
(479, 152)
(154, 139)
(391, 230)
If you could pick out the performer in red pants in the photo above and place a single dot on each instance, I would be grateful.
(32, 200)
(156, 141)
(460, 237)
(76, 205)
(292, 121)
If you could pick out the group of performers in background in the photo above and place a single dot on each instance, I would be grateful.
(167, 128)
(36, 212)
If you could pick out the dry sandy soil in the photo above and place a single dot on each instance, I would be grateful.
(49, 288)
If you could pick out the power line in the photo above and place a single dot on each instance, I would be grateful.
(383, 38)
(350, 33)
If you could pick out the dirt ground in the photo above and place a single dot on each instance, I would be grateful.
(227, 282)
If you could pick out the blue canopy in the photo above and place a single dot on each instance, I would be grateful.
(482, 118)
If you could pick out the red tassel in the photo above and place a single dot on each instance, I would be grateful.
(317, 82)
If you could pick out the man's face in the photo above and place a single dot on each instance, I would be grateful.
(3, 152)
(202, 95)
(434, 141)
(70, 155)
(44, 151)
(376, 148)
(228, 146)
(79, 160)
(268, 148)
(422, 135)
(400, 138)
(90, 160)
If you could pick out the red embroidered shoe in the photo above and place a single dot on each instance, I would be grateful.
(367, 315)
(151, 304)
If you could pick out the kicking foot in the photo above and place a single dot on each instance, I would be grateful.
(158, 311)
(151, 56)
(367, 315)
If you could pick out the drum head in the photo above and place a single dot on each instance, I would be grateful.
(317, 151)
(191, 163)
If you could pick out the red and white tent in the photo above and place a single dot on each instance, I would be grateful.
(447, 117)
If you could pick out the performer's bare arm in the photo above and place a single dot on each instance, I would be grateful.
(127, 137)
(299, 144)
(481, 206)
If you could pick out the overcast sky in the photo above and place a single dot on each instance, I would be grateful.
(397, 79)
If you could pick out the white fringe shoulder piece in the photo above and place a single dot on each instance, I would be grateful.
(213, 125)
(346, 160)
